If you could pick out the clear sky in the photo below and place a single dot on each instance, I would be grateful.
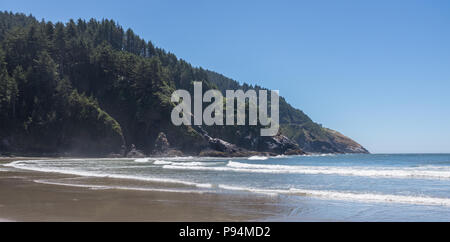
(378, 71)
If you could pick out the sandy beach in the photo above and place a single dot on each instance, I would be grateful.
(23, 199)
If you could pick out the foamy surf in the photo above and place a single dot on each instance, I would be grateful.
(343, 177)
(371, 197)
(347, 196)
(320, 155)
(162, 162)
(282, 156)
(143, 160)
(192, 163)
(19, 165)
(233, 166)
(258, 157)
(103, 187)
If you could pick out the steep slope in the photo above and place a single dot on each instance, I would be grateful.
(296, 125)
(93, 88)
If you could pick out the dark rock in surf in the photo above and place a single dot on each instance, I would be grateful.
(134, 153)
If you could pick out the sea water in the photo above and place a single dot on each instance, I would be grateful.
(351, 187)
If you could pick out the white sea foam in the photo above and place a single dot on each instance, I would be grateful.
(282, 156)
(175, 158)
(429, 172)
(193, 163)
(419, 172)
(101, 187)
(180, 158)
(161, 162)
(200, 168)
(143, 160)
(258, 157)
(370, 197)
(318, 154)
(348, 196)
(204, 185)
(254, 190)
(24, 166)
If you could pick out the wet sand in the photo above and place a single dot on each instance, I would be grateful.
(22, 199)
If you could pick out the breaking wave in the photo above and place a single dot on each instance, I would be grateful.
(61, 170)
(348, 196)
(258, 157)
(415, 172)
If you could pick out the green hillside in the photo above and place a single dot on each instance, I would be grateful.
(93, 88)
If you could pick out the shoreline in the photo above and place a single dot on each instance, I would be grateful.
(39, 194)
(17, 157)
(24, 199)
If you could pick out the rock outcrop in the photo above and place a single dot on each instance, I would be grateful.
(279, 144)
(134, 153)
(265, 146)
(162, 144)
(162, 147)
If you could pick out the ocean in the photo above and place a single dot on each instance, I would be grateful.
(347, 187)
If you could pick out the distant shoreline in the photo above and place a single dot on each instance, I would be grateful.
(14, 157)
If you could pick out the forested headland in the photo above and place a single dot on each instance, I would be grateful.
(93, 88)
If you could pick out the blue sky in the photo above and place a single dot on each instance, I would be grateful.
(377, 71)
